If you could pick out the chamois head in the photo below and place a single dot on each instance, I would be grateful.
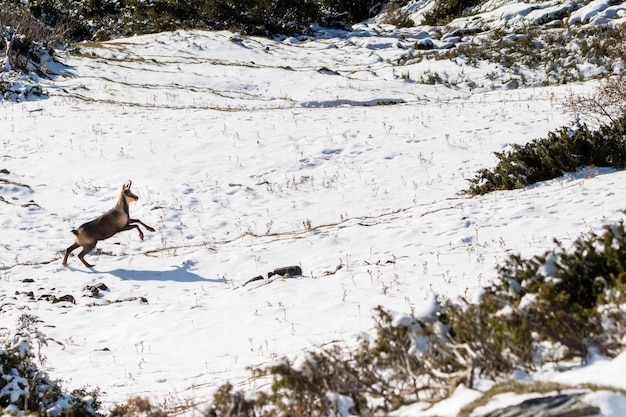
(129, 196)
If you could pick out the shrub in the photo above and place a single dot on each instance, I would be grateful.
(552, 307)
(104, 19)
(606, 104)
(444, 11)
(24, 387)
(555, 307)
(30, 43)
(407, 360)
(227, 403)
(562, 151)
(395, 16)
(137, 406)
(30, 27)
(346, 12)
(27, 46)
(263, 17)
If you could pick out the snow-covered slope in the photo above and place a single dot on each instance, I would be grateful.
(250, 154)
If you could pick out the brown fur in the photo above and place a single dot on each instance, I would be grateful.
(110, 223)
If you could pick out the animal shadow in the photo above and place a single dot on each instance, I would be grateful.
(178, 274)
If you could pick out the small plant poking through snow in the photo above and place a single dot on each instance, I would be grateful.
(26, 388)
(137, 406)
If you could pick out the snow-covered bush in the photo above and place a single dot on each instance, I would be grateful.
(26, 52)
(402, 363)
(24, 387)
(562, 306)
(18, 87)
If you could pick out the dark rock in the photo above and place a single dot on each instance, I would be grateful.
(326, 71)
(561, 405)
(29, 294)
(31, 203)
(68, 299)
(257, 278)
(49, 297)
(143, 300)
(424, 44)
(54, 299)
(463, 32)
(286, 270)
(28, 280)
(95, 289)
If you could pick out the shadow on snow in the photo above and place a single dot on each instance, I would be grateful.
(178, 274)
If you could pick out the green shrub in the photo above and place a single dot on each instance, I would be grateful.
(104, 19)
(544, 159)
(263, 17)
(553, 307)
(444, 11)
(396, 17)
(345, 12)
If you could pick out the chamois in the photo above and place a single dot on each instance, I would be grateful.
(110, 223)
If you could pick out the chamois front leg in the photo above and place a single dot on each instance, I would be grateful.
(150, 229)
(134, 226)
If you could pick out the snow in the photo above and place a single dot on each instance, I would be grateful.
(611, 372)
(611, 403)
(448, 407)
(249, 154)
(589, 11)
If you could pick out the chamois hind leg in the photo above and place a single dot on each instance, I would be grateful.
(85, 251)
(68, 251)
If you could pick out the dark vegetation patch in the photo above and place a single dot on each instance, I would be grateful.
(565, 150)
(444, 11)
(105, 19)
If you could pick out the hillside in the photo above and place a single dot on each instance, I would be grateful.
(344, 154)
